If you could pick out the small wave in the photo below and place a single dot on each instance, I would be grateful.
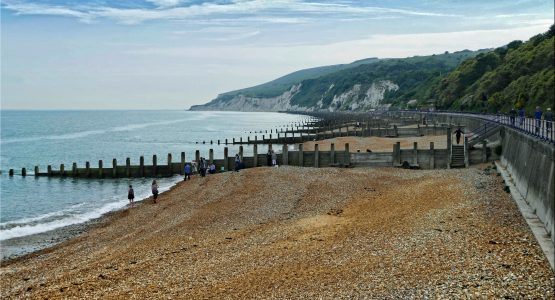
(81, 134)
(29, 226)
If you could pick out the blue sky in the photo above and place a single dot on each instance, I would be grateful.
(164, 54)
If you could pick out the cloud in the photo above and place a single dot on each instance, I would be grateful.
(276, 11)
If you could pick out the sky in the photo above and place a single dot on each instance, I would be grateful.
(171, 54)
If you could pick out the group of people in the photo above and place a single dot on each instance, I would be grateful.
(538, 116)
(271, 158)
(131, 193)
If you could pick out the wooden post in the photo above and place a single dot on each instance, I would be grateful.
(114, 168)
(10, 173)
(48, 170)
(484, 151)
(241, 140)
(248, 139)
(226, 141)
(154, 165)
(347, 155)
(395, 130)
(432, 156)
(241, 153)
(397, 154)
(62, 171)
(234, 141)
(285, 155)
(332, 153)
(127, 167)
(301, 155)
(142, 166)
(415, 154)
(182, 171)
(74, 169)
(226, 167)
(449, 141)
(255, 155)
(218, 144)
(197, 158)
(23, 172)
(88, 169)
(36, 170)
(211, 156)
(170, 171)
(100, 171)
(316, 156)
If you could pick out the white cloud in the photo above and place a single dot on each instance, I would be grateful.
(165, 3)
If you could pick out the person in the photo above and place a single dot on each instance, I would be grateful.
(269, 157)
(154, 188)
(548, 117)
(202, 166)
(274, 158)
(521, 115)
(237, 162)
(512, 116)
(458, 133)
(187, 172)
(131, 195)
(212, 169)
(538, 118)
(194, 168)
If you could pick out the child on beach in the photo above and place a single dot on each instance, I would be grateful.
(131, 195)
(154, 188)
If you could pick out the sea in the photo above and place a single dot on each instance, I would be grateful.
(32, 205)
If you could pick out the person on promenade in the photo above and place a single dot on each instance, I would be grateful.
(131, 195)
(521, 115)
(274, 158)
(154, 188)
(548, 117)
(187, 171)
(269, 157)
(237, 162)
(458, 134)
(538, 118)
(512, 116)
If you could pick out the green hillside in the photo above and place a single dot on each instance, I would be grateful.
(519, 74)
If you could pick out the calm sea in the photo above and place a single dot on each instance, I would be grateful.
(30, 205)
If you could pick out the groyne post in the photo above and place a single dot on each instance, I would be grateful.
(197, 157)
(285, 155)
(255, 155)
(114, 168)
(100, 171)
(36, 170)
(170, 171)
(10, 173)
(182, 170)
(226, 154)
(484, 151)
(210, 156)
(432, 156)
(332, 153)
(23, 172)
(74, 169)
(87, 169)
(316, 156)
(347, 155)
(142, 166)
(48, 170)
(62, 170)
(241, 153)
(301, 155)
(154, 165)
(127, 167)
(415, 154)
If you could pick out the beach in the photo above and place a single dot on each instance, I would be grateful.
(292, 232)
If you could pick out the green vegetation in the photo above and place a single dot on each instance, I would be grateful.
(518, 74)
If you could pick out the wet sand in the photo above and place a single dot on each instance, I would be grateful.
(293, 232)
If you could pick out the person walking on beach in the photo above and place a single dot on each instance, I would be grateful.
(274, 158)
(203, 167)
(269, 157)
(154, 188)
(458, 134)
(131, 195)
(187, 171)
(237, 162)
(538, 117)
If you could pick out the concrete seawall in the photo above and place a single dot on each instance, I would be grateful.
(531, 165)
